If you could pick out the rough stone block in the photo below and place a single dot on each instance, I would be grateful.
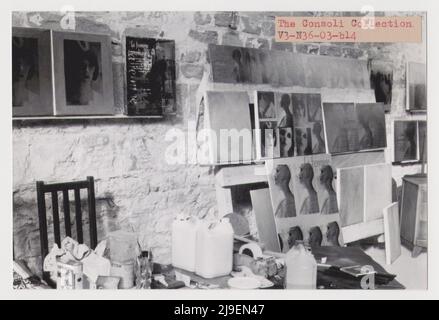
(330, 50)
(223, 19)
(202, 19)
(231, 38)
(204, 36)
(250, 26)
(307, 48)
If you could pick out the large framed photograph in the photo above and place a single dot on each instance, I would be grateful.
(150, 67)
(31, 72)
(83, 74)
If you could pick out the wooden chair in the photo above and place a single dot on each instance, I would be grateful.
(53, 189)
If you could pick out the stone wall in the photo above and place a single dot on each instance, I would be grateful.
(135, 188)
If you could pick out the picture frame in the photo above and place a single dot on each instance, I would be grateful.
(410, 141)
(150, 76)
(32, 92)
(83, 76)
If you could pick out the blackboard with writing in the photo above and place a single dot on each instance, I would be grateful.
(150, 65)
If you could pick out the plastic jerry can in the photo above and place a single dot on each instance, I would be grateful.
(214, 249)
(184, 233)
(301, 268)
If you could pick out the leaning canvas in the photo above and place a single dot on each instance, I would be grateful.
(350, 192)
(392, 235)
(230, 64)
(377, 196)
(229, 127)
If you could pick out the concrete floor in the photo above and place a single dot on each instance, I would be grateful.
(410, 272)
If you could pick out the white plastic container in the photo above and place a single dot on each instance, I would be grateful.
(301, 268)
(184, 233)
(214, 249)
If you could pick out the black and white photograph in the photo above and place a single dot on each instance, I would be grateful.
(83, 76)
(83, 73)
(200, 154)
(31, 72)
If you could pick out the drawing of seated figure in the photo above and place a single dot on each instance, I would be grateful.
(286, 208)
(332, 234)
(310, 204)
(315, 237)
(330, 197)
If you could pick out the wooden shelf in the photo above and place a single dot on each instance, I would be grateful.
(92, 119)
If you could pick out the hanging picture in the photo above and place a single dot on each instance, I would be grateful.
(381, 81)
(304, 200)
(416, 87)
(288, 124)
(31, 72)
(150, 66)
(83, 74)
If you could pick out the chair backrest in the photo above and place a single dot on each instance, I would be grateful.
(53, 189)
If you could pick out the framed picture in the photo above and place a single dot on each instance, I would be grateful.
(405, 135)
(31, 72)
(416, 87)
(150, 67)
(83, 77)
(410, 141)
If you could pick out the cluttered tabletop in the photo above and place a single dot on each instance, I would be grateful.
(119, 263)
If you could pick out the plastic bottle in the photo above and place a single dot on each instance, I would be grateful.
(301, 268)
(184, 233)
(214, 250)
